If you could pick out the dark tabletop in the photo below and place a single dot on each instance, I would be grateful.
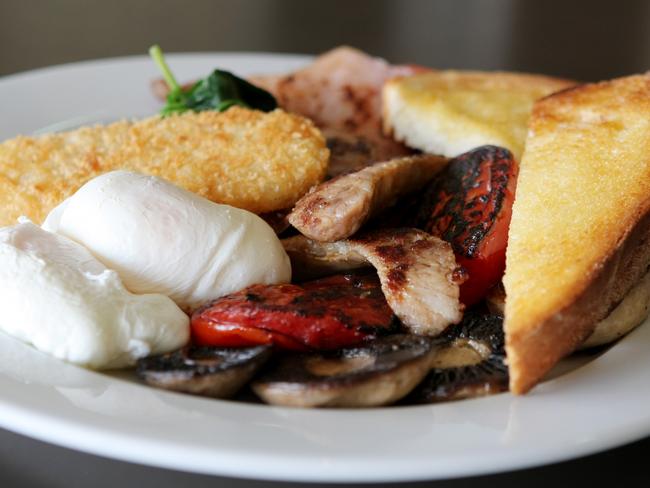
(584, 40)
(26, 463)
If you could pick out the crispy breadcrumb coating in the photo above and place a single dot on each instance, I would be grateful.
(249, 159)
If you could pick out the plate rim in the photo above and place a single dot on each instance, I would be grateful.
(82, 63)
(34, 422)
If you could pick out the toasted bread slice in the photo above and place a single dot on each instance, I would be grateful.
(451, 112)
(580, 225)
(249, 159)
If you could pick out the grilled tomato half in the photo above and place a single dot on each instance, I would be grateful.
(329, 313)
(469, 205)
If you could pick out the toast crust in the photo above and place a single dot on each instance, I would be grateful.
(538, 349)
(581, 221)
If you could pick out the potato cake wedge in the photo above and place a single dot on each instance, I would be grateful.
(257, 161)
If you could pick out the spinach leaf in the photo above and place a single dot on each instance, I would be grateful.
(219, 91)
(222, 90)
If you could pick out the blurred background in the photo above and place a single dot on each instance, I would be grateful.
(582, 39)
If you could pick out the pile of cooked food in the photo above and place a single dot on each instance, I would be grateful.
(352, 234)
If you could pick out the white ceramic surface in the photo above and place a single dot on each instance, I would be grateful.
(600, 405)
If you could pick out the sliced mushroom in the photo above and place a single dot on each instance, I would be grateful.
(417, 272)
(208, 371)
(339, 207)
(378, 373)
(496, 299)
(277, 220)
(470, 362)
(351, 152)
(627, 315)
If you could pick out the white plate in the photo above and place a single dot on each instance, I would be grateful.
(597, 406)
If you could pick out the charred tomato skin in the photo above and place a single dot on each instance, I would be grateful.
(469, 205)
(330, 313)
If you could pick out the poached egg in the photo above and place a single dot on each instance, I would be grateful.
(163, 239)
(56, 296)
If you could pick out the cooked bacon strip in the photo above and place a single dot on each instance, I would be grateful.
(337, 208)
(417, 272)
(341, 92)
(277, 220)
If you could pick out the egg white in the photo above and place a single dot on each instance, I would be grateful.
(163, 239)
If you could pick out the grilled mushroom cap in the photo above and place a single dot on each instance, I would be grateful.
(208, 371)
(469, 363)
(378, 373)
(496, 299)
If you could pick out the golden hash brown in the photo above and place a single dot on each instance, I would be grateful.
(249, 159)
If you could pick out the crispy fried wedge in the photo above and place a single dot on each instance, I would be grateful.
(580, 226)
(253, 160)
(451, 112)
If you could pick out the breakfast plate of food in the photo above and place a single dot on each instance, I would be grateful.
(323, 269)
